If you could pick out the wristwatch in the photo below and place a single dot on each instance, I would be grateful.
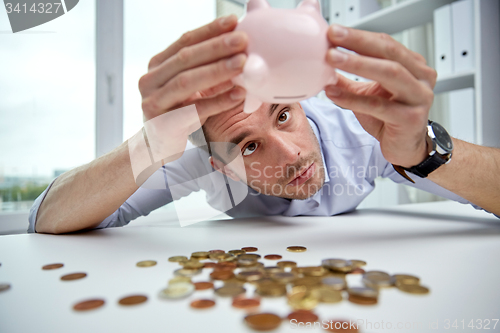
(442, 148)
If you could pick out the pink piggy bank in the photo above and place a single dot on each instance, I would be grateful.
(286, 53)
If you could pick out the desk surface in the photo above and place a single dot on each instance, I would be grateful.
(451, 247)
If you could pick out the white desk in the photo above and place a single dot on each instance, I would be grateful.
(451, 247)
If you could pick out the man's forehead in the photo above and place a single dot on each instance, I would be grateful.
(223, 123)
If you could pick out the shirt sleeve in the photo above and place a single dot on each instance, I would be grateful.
(154, 193)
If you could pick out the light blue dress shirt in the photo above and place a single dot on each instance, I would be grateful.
(352, 160)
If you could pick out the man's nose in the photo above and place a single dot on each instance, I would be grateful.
(288, 152)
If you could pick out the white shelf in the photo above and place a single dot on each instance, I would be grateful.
(400, 17)
(454, 82)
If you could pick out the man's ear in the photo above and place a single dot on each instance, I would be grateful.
(223, 168)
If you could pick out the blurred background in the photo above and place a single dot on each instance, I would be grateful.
(56, 79)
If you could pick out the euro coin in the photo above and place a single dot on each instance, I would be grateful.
(413, 289)
(271, 289)
(88, 305)
(406, 279)
(221, 275)
(202, 303)
(203, 285)
(133, 300)
(338, 265)
(285, 264)
(283, 277)
(250, 275)
(180, 279)
(362, 291)
(302, 298)
(334, 283)
(177, 258)
(209, 265)
(361, 300)
(378, 279)
(237, 252)
(230, 290)
(250, 249)
(225, 266)
(73, 276)
(200, 255)
(250, 256)
(52, 266)
(187, 272)
(296, 249)
(177, 290)
(245, 303)
(192, 264)
(358, 263)
(303, 316)
(329, 295)
(263, 321)
(216, 251)
(273, 257)
(146, 263)
(357, 270)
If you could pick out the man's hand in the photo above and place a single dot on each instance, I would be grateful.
(197, 69)
(394, 108)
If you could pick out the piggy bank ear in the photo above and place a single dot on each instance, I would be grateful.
(310, 4)
(257, 4)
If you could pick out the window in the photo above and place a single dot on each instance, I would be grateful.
(47, 103)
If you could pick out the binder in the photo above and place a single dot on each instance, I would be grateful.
(443, 42)
(356, 9)
(462, 17)
(337, 12)
(462, 114)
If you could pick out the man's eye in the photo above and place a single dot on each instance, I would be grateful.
(250, 149)
(283, 118)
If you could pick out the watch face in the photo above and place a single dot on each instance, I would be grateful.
(443, 139)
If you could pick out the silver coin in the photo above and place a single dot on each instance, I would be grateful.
(362, 291)
(335, 283)
(177, 290)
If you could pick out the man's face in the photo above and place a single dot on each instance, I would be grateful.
(281, 154)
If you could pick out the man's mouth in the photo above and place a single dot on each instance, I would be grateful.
(303, 176)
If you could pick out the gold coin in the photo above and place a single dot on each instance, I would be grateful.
(231, 290)
(329, 295)
(202, 303)
(250, 256)
(133, 300)
(413, 289)
(338, 265)
(302, 298)
(177, 290)
(236, 252)
(285, 264)
(73, 276)
(358, 263)
(406, 279)
(271, 289)
(308, 281)
(227, 257)
(312, 270)
(296, 249)
(88, 305)
(187, 272)
(52, 266)
(4, 286)
(146, 263)
(177, 258)
(180, 279)
(200, 255)
(378, 279)
(263, 321)
(250, 275)
(192, 264)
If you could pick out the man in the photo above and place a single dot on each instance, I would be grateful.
(307, 140)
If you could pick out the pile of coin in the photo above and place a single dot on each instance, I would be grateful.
(305, 287)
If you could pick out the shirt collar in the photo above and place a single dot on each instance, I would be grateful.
(316, 132)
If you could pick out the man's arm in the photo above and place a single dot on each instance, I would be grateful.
(473, 173)
(394, 108)
(195, 70)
